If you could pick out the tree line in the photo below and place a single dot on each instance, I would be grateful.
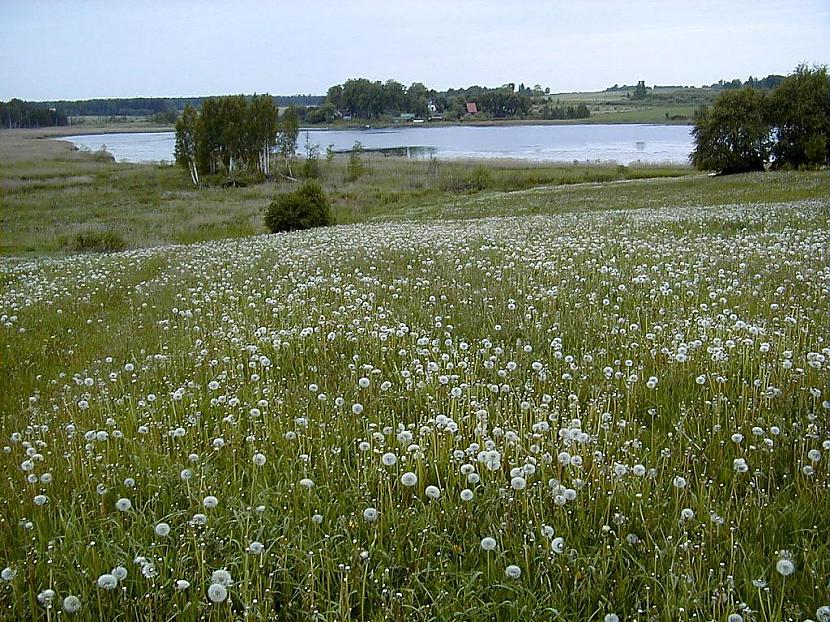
(367, 99)
(17, 113)
(749, 129)
(234, 133)
(149, 106)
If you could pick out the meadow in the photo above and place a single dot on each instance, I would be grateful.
(597, 401)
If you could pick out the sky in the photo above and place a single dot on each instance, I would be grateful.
(82, 49)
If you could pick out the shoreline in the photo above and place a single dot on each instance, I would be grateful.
(119, 128)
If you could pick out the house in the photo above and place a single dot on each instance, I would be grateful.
(471, 108)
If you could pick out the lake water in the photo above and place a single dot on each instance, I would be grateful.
(623, 143)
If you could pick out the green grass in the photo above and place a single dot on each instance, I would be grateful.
(51, 195)
(515, 308)
(520, 331)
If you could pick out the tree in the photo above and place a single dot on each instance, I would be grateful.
(640, 91)
(262, 122)
(287, 137)
(800, 113)
(187, 139)
(733, 136)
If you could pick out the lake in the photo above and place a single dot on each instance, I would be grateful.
(621, 143)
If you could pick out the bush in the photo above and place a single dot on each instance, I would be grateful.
(97, 242)
(302, 209)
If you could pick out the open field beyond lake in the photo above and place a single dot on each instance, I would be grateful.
(499, 395)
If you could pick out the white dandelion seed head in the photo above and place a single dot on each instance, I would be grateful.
(513, 572)
(124, 504)
(488, 543)
(409, 479)
(107, 582)
(182, 585)
(162, 530)
(210, 502)
(256, 548)
(221, 577)
(71, 604)
(217, 593)
(432, 492)
(370, 515)
(785, 567)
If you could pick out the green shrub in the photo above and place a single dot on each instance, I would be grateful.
(302, 209)
(93, 241)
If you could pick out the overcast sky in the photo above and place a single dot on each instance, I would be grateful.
(83, 49)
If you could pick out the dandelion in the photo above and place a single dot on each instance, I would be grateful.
(557, 545)
(182, 585)
(785, 567)
(735, 617)
(256, 548)
(306, 483)
(8, 573)
(370, 515)
(221, 577)
(259, 459)
(210, 502)
(119, 572)
(488, 543)
(823, 613)
(357, 408)
(107, 582)
(679, 482)
(409, 479)
(611, 617)
(740, 465)
(217, 593)
(432, 492)
(389, 459)
(467, 495)
(518, 483)
(46, 597)
(513, 572)
(71, 604)
(687, 514)
(123, 504)
(162, 530)
(41, 500)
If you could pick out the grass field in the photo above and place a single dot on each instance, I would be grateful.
(578, 401)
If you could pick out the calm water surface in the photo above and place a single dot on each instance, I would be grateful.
(546, 143)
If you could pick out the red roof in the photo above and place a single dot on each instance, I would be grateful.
(472, 108)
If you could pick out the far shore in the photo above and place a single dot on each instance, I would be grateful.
(145, 128)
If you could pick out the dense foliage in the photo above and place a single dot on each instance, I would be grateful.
(733, 136)
(149, 106)
(16, 113)
(747, 130)
(362, 98)
(231, 134)
(304, 208)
